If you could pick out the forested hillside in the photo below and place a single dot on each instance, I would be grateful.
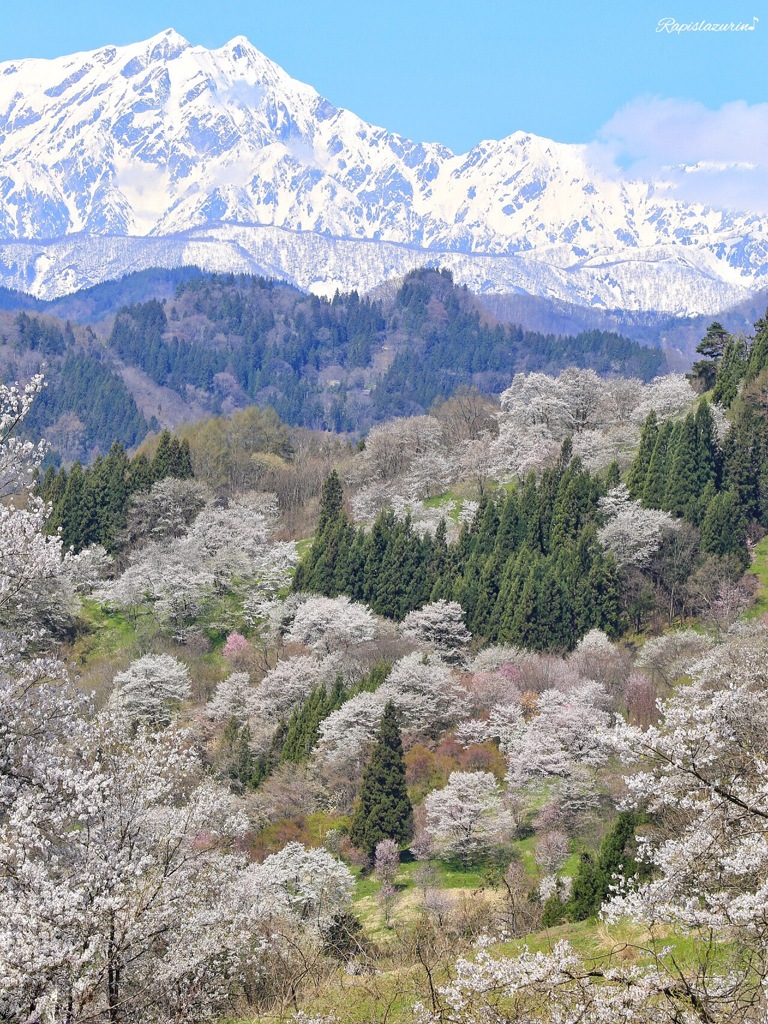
(211, 344)
(294, 724)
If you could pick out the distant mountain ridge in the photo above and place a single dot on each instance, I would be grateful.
(177, 345)
(165, 154)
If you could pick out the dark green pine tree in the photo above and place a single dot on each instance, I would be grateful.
(604, 583)
(573, 504)
(684, 472)
(656, 481)
(638, 471)
(522, 627)
(331, 501)
(708, 453)
(758, 352)
(77, 515)
(712, 347)
(513, 577)
(724, 529)
(511, 532)
(586, 895)
(731, 371)
(109, 486)
(384, 809)
(140, 474)
(485, 526)
(594, 876)
(161, 463)
(612, 476)
(317, 571)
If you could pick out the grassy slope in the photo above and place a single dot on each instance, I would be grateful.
(759, 568)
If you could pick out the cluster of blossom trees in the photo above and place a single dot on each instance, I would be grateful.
(123, 891)
(467, 439)
(126, 886)
(195, 551)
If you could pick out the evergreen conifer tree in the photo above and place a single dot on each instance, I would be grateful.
(638, 472)
(594, 876)
(384, 809)
(758, 352)
(724, 529)
(656, 479)
(161, 463)
(683, 477)
(731, 371)
(712, 346)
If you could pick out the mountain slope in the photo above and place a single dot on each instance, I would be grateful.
(163, 153)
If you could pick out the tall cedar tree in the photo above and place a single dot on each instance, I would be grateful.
(319, 569)
(384, 810)
(594, 877)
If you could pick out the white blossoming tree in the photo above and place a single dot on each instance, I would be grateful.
(631, 532)
(563, 736)
(704, 770)
(312, 884)
(467, 817)
(34, 588)
(440, 626)
(152, 689)
(110, 903)
(325, 624)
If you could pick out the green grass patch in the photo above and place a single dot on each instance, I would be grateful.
(759, 569)
(303, 546)
(102, 633)
(525, 849)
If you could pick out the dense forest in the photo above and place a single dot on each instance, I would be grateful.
(211, 344)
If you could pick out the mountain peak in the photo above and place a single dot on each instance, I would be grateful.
(178, 152)
(166, 45)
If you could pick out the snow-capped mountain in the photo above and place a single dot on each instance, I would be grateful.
(163, 153)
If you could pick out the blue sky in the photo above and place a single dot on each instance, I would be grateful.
(453, 72)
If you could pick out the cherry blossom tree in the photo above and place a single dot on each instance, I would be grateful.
(167, 510)
(346, 734)
(224, 549)
(231, 699)
(236, 650)
(289, 683)
(391, 449)
(702, 774)
(386, 865)
(430, 473)
(116, 900)
(428, 699)
(598, 447)
(669, 656)
(466, 817)
(87, 568)
(386, 860)
(425, 692)
(669, 397)
(597, 658)
(505, 723)
(631, 532)
(561, 985)
(563, 736)
(551, 850)
(312, 884)
(34, 589)
(440, 626)
(152, 689)
(325, 624)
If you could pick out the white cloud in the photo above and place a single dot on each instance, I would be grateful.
(719, 157)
